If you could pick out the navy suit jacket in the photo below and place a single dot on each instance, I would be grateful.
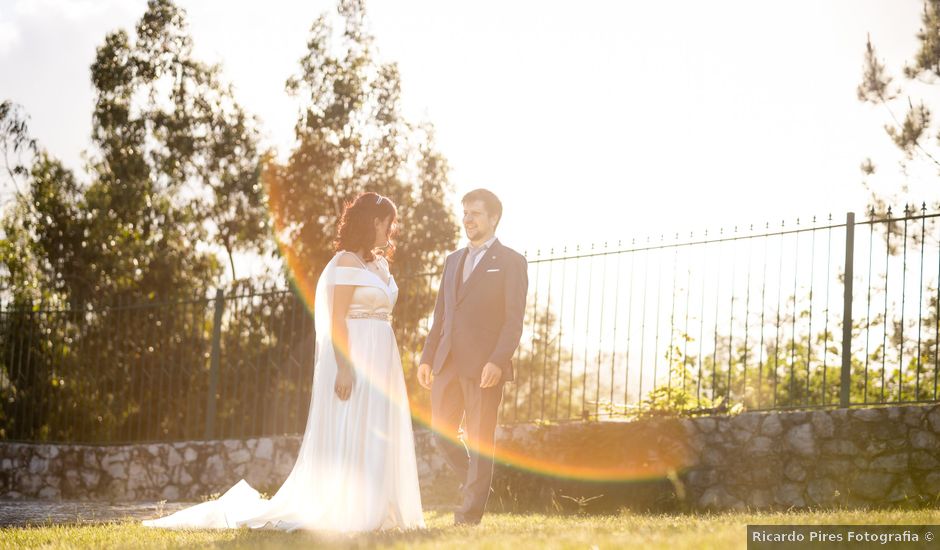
(479, 321)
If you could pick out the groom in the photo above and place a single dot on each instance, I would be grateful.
(468, 352)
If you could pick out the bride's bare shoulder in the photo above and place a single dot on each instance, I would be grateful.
(348, 259)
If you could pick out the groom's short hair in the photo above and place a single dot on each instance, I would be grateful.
(490, 201)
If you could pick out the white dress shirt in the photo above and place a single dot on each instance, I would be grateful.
(468, 270)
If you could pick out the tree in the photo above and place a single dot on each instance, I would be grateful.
(916, 136)
(352, 137)
(167, 130)
(15, 144)
(174, 165)
(173, 170)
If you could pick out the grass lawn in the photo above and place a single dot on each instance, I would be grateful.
(516, 532)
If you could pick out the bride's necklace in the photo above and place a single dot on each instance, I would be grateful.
(365, 263)
(372, 266)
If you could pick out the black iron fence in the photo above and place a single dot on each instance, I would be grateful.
(233, 365)
(797, 315)
(808, 314)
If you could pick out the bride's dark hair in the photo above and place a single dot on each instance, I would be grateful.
(356, 228)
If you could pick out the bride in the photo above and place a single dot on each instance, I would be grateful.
(356, 469)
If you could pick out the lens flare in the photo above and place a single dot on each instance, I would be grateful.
(604, 451)
(564, 452)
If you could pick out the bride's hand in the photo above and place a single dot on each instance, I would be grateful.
(344, 383)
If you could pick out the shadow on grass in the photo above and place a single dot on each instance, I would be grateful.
(307, 539)
(120, 531)
(271, 538)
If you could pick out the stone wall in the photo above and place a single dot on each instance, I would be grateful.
(848, 458)
(852, 458)
(187, 471)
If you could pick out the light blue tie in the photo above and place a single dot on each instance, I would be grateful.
(471, 261)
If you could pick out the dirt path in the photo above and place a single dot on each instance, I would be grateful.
(20, 513)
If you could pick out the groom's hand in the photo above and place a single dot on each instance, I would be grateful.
(491, 375)
(424, 375)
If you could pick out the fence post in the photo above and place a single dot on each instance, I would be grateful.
(847, 310)
(214, 364)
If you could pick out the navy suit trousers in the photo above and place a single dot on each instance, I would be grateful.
(455, 398)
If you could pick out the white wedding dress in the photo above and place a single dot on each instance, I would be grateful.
(356, 468)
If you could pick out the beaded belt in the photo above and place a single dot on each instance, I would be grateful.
(378, 316)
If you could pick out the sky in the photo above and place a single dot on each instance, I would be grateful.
(593, 121)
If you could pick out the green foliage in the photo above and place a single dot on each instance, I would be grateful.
(173, 171)
(266, 377)
(875, 80)
(796, 369)
(174, 164)
(911, 134)
(15, 142)
(785, 367)
(927, 58)
(541, 387)
(174, 175)
(352, 138)
(177, 158)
